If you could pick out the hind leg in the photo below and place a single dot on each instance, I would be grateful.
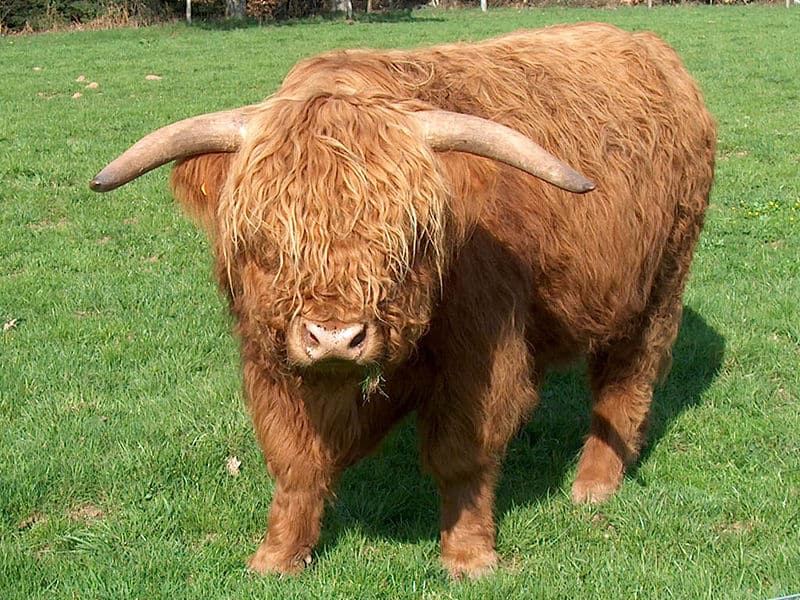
(622, 377)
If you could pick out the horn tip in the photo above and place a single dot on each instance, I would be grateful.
(578, 184)
(101, 184)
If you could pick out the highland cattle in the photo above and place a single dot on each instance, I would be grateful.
(404, 231)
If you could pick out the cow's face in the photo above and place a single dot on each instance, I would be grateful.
(334, 225)
(331, 217)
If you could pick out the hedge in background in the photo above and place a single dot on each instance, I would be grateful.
(38, 15)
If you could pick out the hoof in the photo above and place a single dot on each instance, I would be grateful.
(592, 491)
(471, 565)
(600, 471)
(263, 562)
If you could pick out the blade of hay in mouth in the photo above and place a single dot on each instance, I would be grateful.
(373, 381)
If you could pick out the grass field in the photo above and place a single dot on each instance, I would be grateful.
(119, 383)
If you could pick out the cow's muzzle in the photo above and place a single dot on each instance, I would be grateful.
(311, 342)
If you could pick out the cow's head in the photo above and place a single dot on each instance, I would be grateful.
(330, 216)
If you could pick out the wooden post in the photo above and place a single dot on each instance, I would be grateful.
(189, 11)
(483, 5)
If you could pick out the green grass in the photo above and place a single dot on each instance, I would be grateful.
(119, 383)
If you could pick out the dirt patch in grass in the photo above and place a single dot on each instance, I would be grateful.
(35, 519)
(86, 512)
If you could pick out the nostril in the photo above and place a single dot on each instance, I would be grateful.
(310, 338)
(359, 338)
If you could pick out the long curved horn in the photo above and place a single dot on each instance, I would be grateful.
(213, 132)
(446, 130)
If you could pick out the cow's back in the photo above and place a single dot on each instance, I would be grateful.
(619, 107)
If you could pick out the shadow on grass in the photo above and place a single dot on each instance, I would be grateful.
(544, 452)
(388, 497)
(395, 16)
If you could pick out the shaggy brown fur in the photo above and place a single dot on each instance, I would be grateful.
(477, 277)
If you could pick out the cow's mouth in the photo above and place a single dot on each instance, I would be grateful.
(334, 367)
(335, 373)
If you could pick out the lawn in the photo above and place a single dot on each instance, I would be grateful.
(120, 401)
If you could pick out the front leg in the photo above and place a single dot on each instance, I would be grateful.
(465, 427)
(467, 520)
(483, 392)
(304, 468)
(293, 528)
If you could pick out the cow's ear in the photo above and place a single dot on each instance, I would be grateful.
(472, 181)
(197, 183)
